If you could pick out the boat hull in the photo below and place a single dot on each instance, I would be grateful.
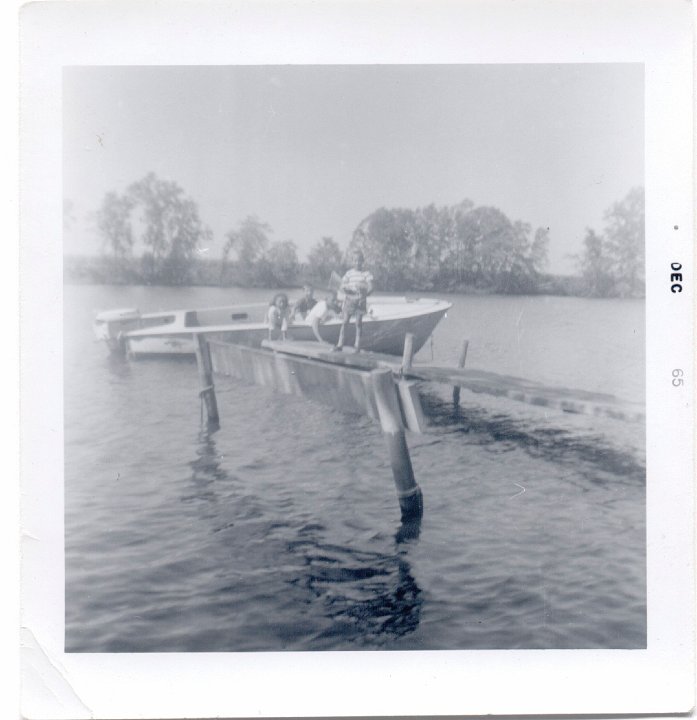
(383, 335)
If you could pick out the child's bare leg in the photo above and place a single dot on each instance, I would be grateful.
(359, 331)
(315, 330)
(340, 342)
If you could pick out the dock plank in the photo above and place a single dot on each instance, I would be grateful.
(364, 360)
(347, 389)
(570, 400)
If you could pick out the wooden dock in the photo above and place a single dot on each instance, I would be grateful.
(477, 381)
(347, 388)
(384, 387)
(358, 388)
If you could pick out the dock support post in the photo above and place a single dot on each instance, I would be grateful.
(408, 355)
(410, 402)
(408, 492)
(460, 363)
(205, 378)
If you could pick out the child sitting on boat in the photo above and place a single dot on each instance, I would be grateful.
(278, 316)
(357, 284)
(303, 306)
(322, 311)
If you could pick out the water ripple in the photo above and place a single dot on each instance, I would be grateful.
(281, 530)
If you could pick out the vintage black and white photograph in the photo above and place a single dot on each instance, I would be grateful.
(354, 357)
(357, 358)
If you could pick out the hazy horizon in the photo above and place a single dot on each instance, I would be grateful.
(312, 150)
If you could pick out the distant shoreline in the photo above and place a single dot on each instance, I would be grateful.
(101, 270)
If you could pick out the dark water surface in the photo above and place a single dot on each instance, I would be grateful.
(281, 530)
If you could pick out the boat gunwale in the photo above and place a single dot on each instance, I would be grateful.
(177, 327)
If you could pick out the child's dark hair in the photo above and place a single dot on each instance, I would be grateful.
(278, 296)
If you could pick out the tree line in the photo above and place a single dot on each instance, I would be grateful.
(463, 247)
(612, 261)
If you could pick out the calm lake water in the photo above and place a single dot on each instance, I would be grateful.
(281, 530)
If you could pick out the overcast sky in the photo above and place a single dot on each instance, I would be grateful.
(312, 150)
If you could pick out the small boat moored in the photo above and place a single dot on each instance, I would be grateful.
(172, 333)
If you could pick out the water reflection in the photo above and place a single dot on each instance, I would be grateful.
(371, 598)
(118, 364)
(587, 450)
(206, 469)
(408, 531)
(359, 596)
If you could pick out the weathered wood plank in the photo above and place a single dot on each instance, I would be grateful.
(477, 381)
(557, 398)
(408, 491)
(412, 410)
(205, 376)
(408, 354)
(348, 357)
(344, 388)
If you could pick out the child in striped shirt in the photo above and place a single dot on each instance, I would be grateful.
(357, 284)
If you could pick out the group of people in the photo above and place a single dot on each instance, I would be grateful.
(356, 285)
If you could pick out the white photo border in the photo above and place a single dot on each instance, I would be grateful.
(660, 679)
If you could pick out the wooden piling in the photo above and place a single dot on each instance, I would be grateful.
(408, 492)
(205, 378)
(121, 345)
(408, 355)
(412, 411)
(462, 357)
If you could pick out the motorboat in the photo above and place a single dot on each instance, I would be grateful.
(172, 333)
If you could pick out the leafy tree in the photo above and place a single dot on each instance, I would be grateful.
(169, 228)
(114, 224)
(249, 242)
(282, 259)
(324, 257)
(433, 234)
(624, 241)
(612, 263)
(386, 239)
(595, 266)
(172, 228)
(539, 250)
(494, 246)
(449, 246)
(491, 251)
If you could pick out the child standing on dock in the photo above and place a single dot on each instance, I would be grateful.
(277, 316)
(357, 284)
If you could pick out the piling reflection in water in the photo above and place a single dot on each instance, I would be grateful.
(206, 468)
(371, 598)
(280, 530)
(118, 365)
(361, 598)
